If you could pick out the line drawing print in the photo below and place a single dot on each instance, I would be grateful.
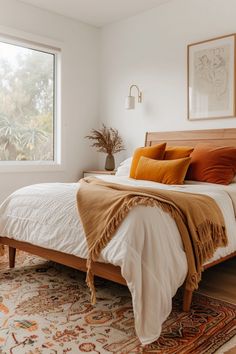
(212, 77)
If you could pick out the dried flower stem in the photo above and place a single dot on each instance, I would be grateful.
(106, 140)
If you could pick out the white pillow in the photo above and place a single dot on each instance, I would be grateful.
(127, 162)
(124, 168)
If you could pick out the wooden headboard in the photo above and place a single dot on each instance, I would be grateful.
(193, 137)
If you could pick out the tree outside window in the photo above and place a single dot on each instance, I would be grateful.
(27, 86)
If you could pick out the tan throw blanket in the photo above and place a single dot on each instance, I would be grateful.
(103, 206)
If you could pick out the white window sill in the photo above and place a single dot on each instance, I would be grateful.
(29, 166)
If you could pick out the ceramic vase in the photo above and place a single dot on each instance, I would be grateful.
(110, 163)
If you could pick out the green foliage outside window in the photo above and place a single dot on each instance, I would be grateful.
(26, 103)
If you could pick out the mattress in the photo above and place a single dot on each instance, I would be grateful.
(147, 245)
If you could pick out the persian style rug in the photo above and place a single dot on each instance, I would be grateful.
(45, 308)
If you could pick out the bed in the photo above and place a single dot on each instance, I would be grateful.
(34, 241)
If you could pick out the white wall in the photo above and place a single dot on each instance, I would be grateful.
(150, 50)
(79, 88)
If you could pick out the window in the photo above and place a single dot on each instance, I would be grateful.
(27, 102)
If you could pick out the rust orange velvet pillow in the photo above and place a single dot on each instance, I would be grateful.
(213, 164)
(153, 152)
(177, 152)
(162, 171)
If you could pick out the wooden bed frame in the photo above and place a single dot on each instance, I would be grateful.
(108, 271)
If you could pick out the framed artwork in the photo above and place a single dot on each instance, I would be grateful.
(211, 78)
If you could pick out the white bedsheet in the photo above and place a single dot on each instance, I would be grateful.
(147, 246)
(230, 189)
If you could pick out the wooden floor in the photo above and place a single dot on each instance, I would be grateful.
(220, 282)
(231, 351)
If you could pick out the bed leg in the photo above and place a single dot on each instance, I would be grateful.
(12, 256)
(188, 294)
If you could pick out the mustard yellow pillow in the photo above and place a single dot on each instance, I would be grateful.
(162, 171)
(153, 152)
(177, 152)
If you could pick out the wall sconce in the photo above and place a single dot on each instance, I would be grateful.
(130, 100)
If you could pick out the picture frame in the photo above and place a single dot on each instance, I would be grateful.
(212, 78)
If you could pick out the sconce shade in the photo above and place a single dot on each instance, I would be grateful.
(130, 102)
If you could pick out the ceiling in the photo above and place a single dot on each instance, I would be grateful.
(96, 12)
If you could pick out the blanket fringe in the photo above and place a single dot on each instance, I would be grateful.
(210, 237)
(119, 217)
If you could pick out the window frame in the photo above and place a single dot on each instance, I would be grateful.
(43, 45)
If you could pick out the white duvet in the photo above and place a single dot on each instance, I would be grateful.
(147, 246)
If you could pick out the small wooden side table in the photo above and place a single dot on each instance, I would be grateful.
(95, 173)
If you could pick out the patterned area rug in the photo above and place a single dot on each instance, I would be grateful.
(45, 308)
